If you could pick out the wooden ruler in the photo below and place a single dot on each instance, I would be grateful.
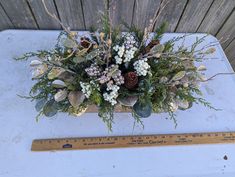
(132, 141)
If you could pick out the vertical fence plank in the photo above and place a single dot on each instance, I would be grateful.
(171, 13)
(227, 32)
(19, 13)
(71, 13)
(91, 10)
(230, 52)
(144, 11)
(121, 10)
(216, 16)
(5, 22)
(193, 15)
(44, 21)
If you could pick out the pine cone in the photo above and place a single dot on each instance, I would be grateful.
(85, 42)
(130, 80)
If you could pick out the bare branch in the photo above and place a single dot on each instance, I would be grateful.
(210, 78)
(157, 14)
(55, 17)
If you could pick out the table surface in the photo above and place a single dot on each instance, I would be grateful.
(18, 126)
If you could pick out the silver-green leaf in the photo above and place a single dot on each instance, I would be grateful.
(179, 76)
(68, 43)
(50, 108)
(92, 54)
(158, 48)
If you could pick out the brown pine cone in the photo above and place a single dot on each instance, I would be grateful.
(150, 46)
(85, 42)
(130, 80)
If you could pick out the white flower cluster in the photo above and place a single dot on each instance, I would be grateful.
(129, 54)
(120, 51)
(130, 41)
(112, 96)
(86, 89)
(93, 70)
(127, 50)
(141, 67)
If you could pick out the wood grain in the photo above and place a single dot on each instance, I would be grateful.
(171, 13)
(144, 11)
(227, 32)
(118, 108)
(230, 53)
(5, 22)
(91, 10)
(19, 13)
(121, 10)
(44, 21)
(216, 16)
(71, 13)
(193, 15)
(210, 16)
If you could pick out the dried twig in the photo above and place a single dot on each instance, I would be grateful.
(157, 14)
(210, 78)
(55, 17)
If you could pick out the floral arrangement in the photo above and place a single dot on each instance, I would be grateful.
(109, 69)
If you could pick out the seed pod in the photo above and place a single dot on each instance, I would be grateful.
(76, 98)
(58, 84)
(60, 95)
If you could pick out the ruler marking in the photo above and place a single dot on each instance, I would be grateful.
(133, 141)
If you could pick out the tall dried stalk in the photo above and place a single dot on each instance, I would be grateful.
(55, 17)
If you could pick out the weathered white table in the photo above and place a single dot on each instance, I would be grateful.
(18, 127)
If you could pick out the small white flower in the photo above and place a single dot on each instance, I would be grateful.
(141, 67)
(86, 89)
(129, 54)
(116, 47)
(118, 60)
(112, 96)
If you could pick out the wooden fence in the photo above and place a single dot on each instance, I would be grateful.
(216, 17)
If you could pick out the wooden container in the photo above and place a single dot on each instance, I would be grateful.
(118, 108)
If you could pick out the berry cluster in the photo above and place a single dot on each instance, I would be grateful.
(141, 67)
(93, 70)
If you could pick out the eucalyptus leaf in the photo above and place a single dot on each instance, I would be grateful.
(76, 98)
(158, 48)
(58, 84)
(143, 110)
(127, 100)
(201, 68)
(178, 76)
(50, 108)
(69, 43)
(78, 59)
(92, 54)
(39, 104)
(54, 73)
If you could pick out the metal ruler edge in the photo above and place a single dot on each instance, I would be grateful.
(106, 142)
